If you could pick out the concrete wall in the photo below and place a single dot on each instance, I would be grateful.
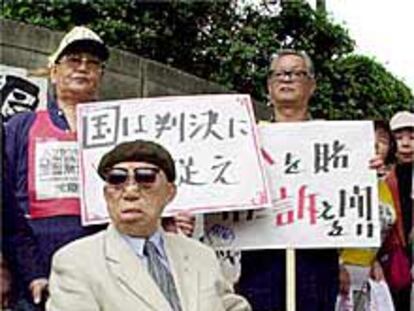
(126, 76)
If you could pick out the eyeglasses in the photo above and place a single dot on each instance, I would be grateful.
(282, 75)
(145, 176)
(75, 61)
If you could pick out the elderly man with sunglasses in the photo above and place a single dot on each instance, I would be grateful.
(134, 264)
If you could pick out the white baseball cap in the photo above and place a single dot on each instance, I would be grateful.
(80, 38)
(402, 119)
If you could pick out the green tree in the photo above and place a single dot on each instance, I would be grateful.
(363, 88)
(231, 44)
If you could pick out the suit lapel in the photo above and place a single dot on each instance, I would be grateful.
(185, 275)
(131, 271)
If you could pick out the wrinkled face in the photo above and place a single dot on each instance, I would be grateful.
(404, 139)
(135, 207)
(77, 75)
(289, 83)
(382, 142)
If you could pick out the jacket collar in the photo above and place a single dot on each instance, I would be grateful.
(131, 271)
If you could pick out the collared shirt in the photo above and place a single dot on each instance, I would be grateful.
(273, 118)
(137, 245)
(57, 115)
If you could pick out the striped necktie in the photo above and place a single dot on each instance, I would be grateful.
(161, 275)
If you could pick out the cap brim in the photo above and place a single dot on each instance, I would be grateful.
(87, 46)
(405, 125)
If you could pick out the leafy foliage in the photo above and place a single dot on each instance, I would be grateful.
(363, 88)
(232, 44)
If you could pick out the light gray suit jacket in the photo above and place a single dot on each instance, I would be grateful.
(101, 272)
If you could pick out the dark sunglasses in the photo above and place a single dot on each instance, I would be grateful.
(141, 175)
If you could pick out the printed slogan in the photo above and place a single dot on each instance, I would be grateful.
(323, 192)
(213, 139)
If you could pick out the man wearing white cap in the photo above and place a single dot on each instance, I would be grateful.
(400, 181)
(41, 154)
(40, 150)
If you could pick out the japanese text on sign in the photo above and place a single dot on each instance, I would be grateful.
(213, 140)
(323, 193)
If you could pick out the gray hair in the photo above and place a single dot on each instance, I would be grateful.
(302, 54)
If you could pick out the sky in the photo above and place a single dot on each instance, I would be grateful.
(382, 29)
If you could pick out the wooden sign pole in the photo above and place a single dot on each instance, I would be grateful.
(291, 279)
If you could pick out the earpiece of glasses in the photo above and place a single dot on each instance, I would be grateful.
(141, 175)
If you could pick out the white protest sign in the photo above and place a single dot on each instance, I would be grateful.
(212, 138)
(323, 192)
